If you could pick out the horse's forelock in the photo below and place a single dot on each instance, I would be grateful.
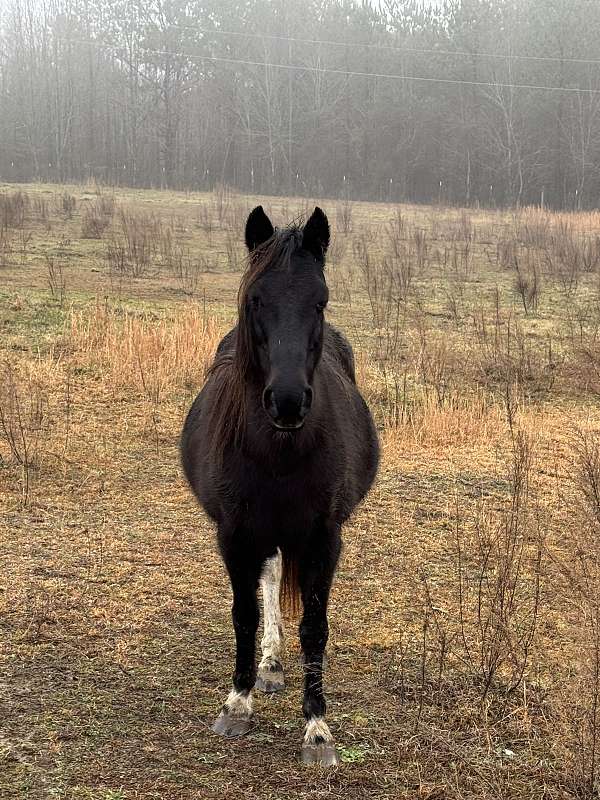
(275, 253)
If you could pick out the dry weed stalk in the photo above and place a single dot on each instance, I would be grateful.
(343, 216)
(527, 285)
(6, 246)
(56, 279)
(504, 354)
(65, 205)
(498, 581)
(24, 419)
(132, 349)
(233, 250)
(387, 283)
(579, 567)
(221, 205)
(159, 362)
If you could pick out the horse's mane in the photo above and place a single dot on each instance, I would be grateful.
(233, 365)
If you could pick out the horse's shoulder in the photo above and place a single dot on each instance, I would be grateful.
(227, 343)
(337, 346)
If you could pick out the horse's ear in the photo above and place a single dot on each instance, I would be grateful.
(316, 234)
(258, 228)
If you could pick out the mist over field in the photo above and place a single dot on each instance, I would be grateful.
(454, 147)
(494, 102)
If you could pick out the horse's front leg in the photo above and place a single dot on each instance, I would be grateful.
(244, 568)
(270, 670)
(316, 572)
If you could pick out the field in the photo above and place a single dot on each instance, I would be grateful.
(464, 658)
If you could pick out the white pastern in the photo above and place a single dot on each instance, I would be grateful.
(239, 704)
(272, 641)
(316, 731)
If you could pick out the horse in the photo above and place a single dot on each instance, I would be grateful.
(279, 448)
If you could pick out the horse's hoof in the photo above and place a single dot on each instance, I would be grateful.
(270, 679)
(230, 726)
(324, 754)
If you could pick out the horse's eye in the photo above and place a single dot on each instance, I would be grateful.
(255, 302)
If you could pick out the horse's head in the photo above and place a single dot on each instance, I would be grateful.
(282, 301)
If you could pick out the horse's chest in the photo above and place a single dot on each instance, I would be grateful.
(290, 503)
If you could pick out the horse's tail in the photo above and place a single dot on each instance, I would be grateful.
(289, 590)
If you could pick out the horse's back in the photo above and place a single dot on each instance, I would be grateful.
(337, 346)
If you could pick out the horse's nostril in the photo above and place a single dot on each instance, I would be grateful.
(307, 398)
(268, 398)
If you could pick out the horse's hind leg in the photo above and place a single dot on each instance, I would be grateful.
(244, 568)
(316, 571)
(270, 671)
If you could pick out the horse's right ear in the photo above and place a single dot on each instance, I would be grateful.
(258, 228)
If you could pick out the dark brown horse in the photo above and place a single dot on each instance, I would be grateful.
(279, 447)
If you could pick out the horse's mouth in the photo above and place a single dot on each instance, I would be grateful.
(287, 425)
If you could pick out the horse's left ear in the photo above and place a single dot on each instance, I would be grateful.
(315, 238)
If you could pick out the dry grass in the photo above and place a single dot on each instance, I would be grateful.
(464, 621)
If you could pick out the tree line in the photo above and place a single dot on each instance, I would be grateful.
(492, 102)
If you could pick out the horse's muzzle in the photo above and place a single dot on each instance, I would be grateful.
(287, 408)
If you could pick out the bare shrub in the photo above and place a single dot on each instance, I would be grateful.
(590, 253)
(435, 364)
(465, 227)
(563, 257)
(233, 251)
(24, 419)
(24, 237)
(204, 219)
(56, 279)
(421, 250)
(337, 250)
(533, 228)
(385, 282)
(582, 343)
(65, 205)
(395, 231)
(505, 355)
(221, 204)
(97, 216)
(142, 235)
(187, 270)
(133, 249)
(498, 568)
(527, 286)
(455, 303)
(6, 246)
(343, 216)
(13, 209)
(473, 649)
(579, 737)
(506, 253)
(39, 207)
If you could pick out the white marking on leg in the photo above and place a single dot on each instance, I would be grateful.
(317, 731)
(238, 704)
(272, 640)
